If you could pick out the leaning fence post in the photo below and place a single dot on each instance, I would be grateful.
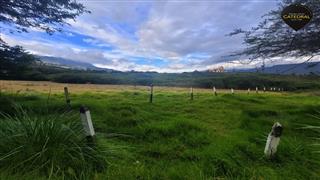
(1, 88)
(273, 140)
(87, 124)
(191, 93)
(215, 91)
(66, 94)
(151, 93)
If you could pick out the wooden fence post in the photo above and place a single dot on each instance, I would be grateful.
(215, 91)
(248, 91)
(257, 90)
(151, 93)
(273, 140)
(264, 89)
(87, 124)
(191, 93)
(1, 88)
(66, 94)
(232, 91)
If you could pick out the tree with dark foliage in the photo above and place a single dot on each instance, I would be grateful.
(15, 61)
(274, 38)
(47, 15)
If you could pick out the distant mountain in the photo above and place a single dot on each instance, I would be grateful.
(69, 64)
(300, 69)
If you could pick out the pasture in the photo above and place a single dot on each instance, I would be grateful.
(209, 137)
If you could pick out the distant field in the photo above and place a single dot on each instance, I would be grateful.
(46, 86)
(211, 137)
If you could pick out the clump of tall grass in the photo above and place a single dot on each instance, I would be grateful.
(314, 132)
(53, 145)
(314, 129)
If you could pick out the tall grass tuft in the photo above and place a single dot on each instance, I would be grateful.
(315, 130)
(53, 145)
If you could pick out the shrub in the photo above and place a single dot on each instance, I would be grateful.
(53, 145)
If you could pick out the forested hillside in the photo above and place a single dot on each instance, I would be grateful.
(39, 71)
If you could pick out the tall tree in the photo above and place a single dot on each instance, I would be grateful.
(14, 62)
(273, 38)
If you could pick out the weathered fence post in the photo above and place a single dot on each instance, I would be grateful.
(66, 94)
(215, 91)
(257, 90)
(191, 93)
(87, 124)
(1, 88)
(248, 91)
(273, 140)
(48, 98)
(232, 91)
(151, 93)
(264, 89)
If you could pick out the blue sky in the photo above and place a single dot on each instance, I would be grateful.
(163, 36)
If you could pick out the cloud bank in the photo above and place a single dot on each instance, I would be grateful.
(163, 36)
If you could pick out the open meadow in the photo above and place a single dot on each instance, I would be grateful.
(209, 137)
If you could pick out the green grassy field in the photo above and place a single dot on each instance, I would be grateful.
(210, 137)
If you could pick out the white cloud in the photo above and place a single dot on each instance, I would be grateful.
(186, 35)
